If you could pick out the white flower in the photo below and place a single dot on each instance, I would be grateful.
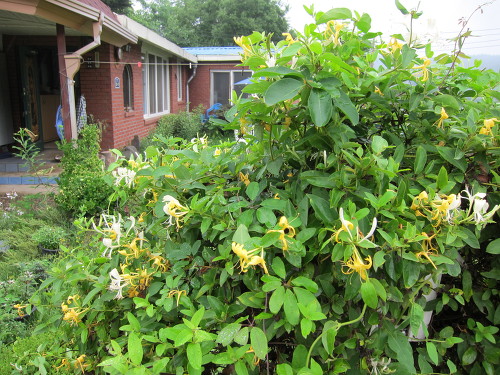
(174, 210)
(478, 208)
(125, 174)
(116, 283)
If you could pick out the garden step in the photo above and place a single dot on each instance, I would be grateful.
(13, 179)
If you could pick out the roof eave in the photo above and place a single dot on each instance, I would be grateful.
(151, 37)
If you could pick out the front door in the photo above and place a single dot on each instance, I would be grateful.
(30, 92)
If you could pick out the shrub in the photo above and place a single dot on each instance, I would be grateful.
(83, 190)
(315, 247)
(49, 237)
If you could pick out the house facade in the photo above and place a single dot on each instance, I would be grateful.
(55, 52)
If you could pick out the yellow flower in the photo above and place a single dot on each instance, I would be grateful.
(377, 91)
(346, 226)
(289, 38)
(427, 249)
(288, 121)
(394, 45)
(444, 207)
(73, 315)
(286, 231)
(160, 262)
(355, 264)
(424, 68)
(217, 152)
(175, 210)
(333, 29)
(20, 308)
(443, 117)
(419, 200)
(135, 252)
(243, 42)
(248, 258)
(80, 363)
(244, 125)
(488, 125)
(177, 293)
(244, 178)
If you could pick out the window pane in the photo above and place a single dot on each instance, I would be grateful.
(144, 87)
(127, 86)
(160, 84)
(221, 87)
(239, 76)
(179, 82)
(166, 97)
(152, 84)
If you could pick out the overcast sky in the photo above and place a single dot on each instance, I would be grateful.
(439, 22)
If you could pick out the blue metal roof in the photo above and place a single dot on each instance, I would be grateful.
(226, 51)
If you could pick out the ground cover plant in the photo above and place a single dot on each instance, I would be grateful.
(364, 203)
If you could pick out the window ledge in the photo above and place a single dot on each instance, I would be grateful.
(129, 112)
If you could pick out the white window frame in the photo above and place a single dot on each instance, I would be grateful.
(179, 81)
(232, 80)
(164, 85)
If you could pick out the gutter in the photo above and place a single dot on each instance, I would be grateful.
(187, 85)
(72, 64)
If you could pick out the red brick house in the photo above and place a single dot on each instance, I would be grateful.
(52, 52)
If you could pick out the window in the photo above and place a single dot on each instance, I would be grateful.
(223, 82)
(179, 82)
(156, 85)
(128, 96)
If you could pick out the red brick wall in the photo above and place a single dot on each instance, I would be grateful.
(105, 102)
(199, 88)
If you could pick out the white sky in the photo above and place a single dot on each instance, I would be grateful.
(438, 23)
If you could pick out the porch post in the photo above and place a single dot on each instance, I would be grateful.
(63, 81)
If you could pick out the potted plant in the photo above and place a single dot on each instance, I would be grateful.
(49, 239)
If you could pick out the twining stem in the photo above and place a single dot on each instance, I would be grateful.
(308, 359)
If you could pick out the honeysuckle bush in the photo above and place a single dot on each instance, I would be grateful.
(360, 202)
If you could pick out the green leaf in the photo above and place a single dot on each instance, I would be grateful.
(416, 318)
(292, 312)
(319, 179)
(334, 14)
(442, 178)
(379, 144)
(198, 315)
(469, 356)
(401, 8)
(343, 102)
(369, 294)
(284, 369)
(252, 190)
(494, 247)
(134, 348)
(447, 101)
(278, 267)
(420, 160)
(329, 334)
(305, 327)
(320, 107)
(136, 326)
(432, 352)
(160, 365)
(258, 340)
(321, 208)
(226, 334)
(241, 336)
(194, 355)
(364, 23)
(281, 90)
(241, 235)
(277, 299)
(306, 283)
(398, 342)
(241, 368)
